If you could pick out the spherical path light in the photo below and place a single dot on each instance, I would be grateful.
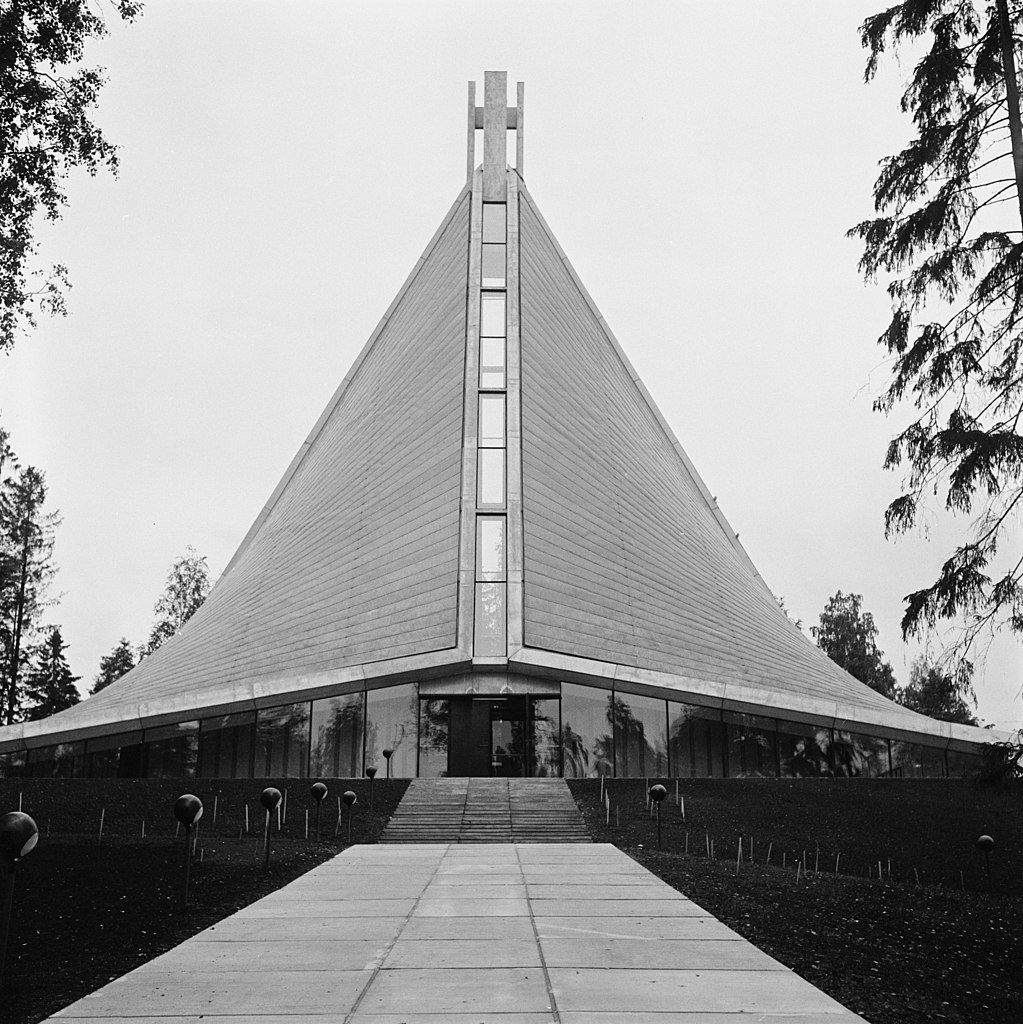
(18, 837)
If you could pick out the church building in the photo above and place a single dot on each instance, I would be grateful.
(490, 556)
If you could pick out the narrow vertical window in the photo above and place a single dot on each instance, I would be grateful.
(494, 222)
(491, 421)
(492, 363)
(490, 628)
(490, 477)
(492, 315)
(492, 274)
(490, 563)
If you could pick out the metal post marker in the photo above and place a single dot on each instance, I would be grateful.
(388, 754)
(270, 798)
(187, 810)
(18, 837)
(371, 774)
(349, 799)
(318, 791)
(657, 793)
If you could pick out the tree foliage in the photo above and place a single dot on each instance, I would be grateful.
(948, 237)
(49, 683)
(188, 583)
(848, 636)
(935, 693)
(46, 105)
(114, 665)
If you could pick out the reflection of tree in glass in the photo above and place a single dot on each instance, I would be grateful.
(635, 755)
(576, 756)
(338, 747)
(282, 734)
(545, 738)
(756, 751)
(809, 757)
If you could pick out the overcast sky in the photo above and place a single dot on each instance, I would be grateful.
(283, 165)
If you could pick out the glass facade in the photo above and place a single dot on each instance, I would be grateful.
(640, 736)
(336, 736)
(282, 741)
(392, 723)
(752, 746)
(586, 732)
(587, 739)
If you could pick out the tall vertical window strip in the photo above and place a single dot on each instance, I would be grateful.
(492, 363)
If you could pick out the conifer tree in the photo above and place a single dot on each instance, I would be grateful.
(114, 665)
(948, 239)
(49, 683)
(935, 693)
(26, 547)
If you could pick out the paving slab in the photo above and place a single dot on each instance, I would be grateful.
(448, 933)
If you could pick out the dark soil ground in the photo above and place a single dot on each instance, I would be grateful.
(892, 950)
(87, 909)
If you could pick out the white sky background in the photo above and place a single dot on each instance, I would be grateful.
(285, 164)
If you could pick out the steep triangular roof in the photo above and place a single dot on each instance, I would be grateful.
(628, 559)
(358, 569)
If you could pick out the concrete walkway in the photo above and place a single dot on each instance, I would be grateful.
(466, 934)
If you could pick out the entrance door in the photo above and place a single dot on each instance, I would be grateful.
(487, 736)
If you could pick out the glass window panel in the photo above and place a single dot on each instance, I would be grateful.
(494, 220)
(392, 723)
(225, 746)
(111, 757)
(434, 724)
(492, 363)
(682, 762)
(492, 315)
(859, 756)
(171, 750)
(491, 421)
(282, 741)
(640, 730)
(545, 714)
(803, 750)
(962, 764)
(917, 761)
(12, 764)
(491, 477)
(58, 761)
(493, 264)
(490, 629)
(586, 731)
(490, 547)
(336, 737)
(752, 746)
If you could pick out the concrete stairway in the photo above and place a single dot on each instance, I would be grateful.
(486, 811)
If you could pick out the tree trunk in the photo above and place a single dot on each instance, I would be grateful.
(1011, 97)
